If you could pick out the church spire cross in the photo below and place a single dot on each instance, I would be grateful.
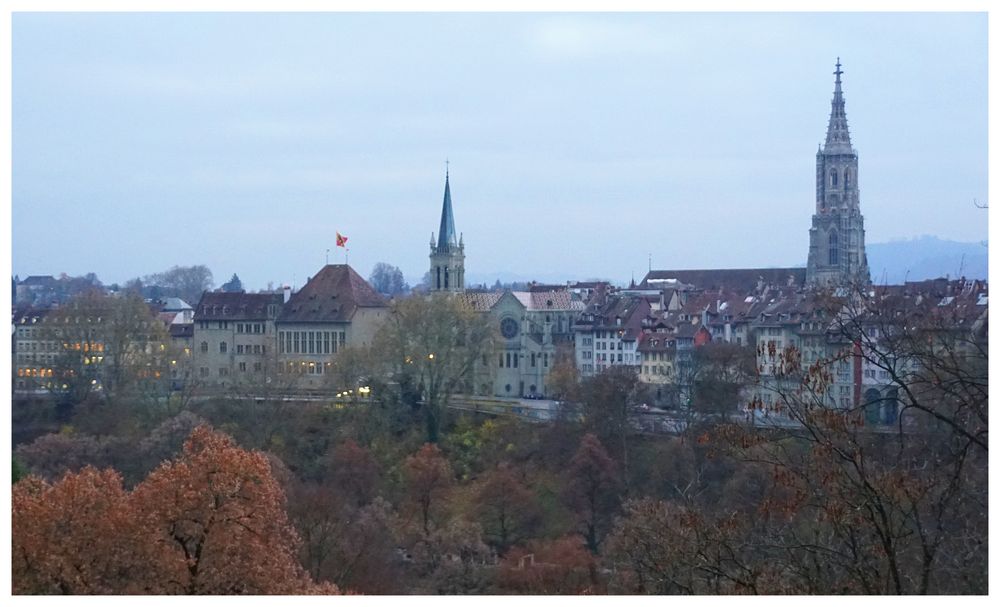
(838, 137)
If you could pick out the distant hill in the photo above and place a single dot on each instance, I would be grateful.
(925, 257)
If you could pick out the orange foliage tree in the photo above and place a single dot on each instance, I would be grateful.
(592, 489)
(428, 476)
(560, 566)
(507, 510)
(210, 522)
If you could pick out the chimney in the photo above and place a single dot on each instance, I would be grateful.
(287, 290)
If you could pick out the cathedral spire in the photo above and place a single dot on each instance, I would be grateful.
(446, 235)
(838, 138)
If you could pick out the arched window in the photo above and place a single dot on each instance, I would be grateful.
(847, 178)
(834, 249)
(833, 178)
(438, 269)
(873, 402)
(890, 408)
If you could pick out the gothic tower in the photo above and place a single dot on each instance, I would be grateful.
(837, 237)
(448, 255)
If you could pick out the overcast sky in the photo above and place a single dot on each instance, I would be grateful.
(579, 144)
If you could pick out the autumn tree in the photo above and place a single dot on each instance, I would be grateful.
(211, 521)
(111, 346)
(661, 547)
(354, 472)
(592, 489)
(429, 346)
(608, 399)
(452, 559)
(901, 494)
(559, 566)
(77, 536)
(352, 547)
(428, 477)
(507, 510)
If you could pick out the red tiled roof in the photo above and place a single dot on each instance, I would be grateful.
(332, 295)
(216, 305)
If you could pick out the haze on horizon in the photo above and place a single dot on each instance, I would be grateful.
(579, 144)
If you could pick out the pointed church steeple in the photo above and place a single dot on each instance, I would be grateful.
(448, 255)
(837, 237)
(446, 235)
(838, 137)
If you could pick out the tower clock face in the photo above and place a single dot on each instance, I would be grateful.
(508, 328)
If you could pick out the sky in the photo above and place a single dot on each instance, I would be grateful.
(579, 145)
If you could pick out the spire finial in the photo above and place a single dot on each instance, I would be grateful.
(838, 72)
(446, 169)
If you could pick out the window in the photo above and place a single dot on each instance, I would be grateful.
(515, 360)
(243, 367)
(257, 366)
(203, 371)
(508, 360)
(204, 346)
(847, 178)
(501, 361)
(239, 327)
(295, 341)
(281, 342)
(834, 252)
(532, 359)
(223, 372)
(546, 359)
(833, 178)
(223, 348)
(239, 348)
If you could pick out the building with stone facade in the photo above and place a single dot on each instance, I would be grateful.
(335, 309)
(837, 236)
(234, 338)
(535, 329)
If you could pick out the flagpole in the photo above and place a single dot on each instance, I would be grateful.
(346, 252)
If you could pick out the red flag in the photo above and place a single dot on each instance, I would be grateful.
(341, 240)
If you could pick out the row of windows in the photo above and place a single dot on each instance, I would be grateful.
(240, 348)
(656, 370)
(608, 346)
(303, 367)
(509, 360)
(311, 342)
(257, 349)
(609, 334)
(251, 327)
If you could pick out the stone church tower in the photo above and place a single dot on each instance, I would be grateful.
(448, 255)
(837, 237)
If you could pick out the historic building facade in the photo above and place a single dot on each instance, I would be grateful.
(837, 236)
(335, 309)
